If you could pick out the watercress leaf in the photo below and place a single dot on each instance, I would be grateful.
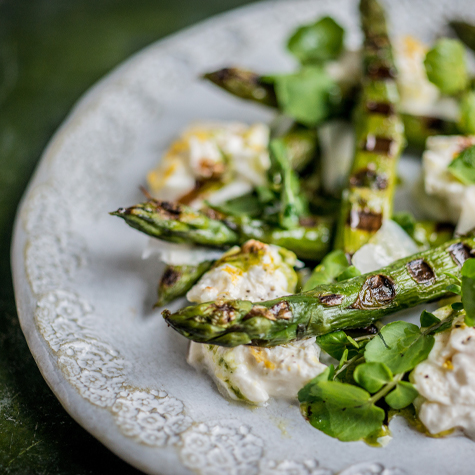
(335, 344)
(402, 395)
(468, 268)
(291, 204)
(306, 394)
(428, 319)
(248, 205)
(462, 166)
(342, 411)
(352, 342)
(446, 66)
(466, 122)
(372, 376)
(306, 95)
(348, 273)
(317, 42)
(400, 345)
(468, 291)
(454, 288)
(326, 272)
(343, 359)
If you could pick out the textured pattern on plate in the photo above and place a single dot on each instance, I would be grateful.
(80, 172)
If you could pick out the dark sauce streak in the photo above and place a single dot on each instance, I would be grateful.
(460, 252)
(383, 108)
(368, 178)
(381, 71)
(170, 209)
(379, 145)
(421, 271)
(330, 300)
(365, 220)
(170, 277)
(433, 123)
(377, 291)
(281, 310)
(225, 312)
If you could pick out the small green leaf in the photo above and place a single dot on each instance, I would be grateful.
(457, 306)
(428, 319)
(336, 343)
(326, 272)
(342, 411)
(446, 66)
(372, 376)
(454, 288)
(307, 392)
(292, 204)
(466, 122)
(462, 166)
(468, 291)
(306, 95)
(353, 342)
(402, 395)
(348, 273)
(400, 345)
(318, 42)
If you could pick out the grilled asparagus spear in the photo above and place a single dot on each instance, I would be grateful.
(368, 199)
(353, 303)
(177, 280)
(418, 128)
(179, 223)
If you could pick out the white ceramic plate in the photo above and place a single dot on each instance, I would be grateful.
(85, 296)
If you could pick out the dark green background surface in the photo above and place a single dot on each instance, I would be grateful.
(51, 51)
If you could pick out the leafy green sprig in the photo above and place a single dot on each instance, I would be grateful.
(352, 401)
(465, 287)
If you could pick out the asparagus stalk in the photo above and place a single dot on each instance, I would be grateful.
(244, 84)
(179, 223)
(353, 303)
(418, 128)
(177, 280)
(368, 199)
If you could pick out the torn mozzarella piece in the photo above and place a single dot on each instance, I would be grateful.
(215, 152)
(389, 244)
(337, 143)
(254, 374)
(466, 222)
(251, 374)
(417, 92)
(446, 381)
(266, 273)
(446, 193)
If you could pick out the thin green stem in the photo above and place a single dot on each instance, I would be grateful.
(385, 390)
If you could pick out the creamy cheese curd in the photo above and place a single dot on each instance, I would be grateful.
(446, 381)
(231, 157)
(418, 95)
(389, 244)
(255, 272)
(444, 193)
